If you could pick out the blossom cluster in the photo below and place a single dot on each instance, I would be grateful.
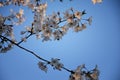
(29, 2)
(6, 29)
(15, 2)
(17, 18)
(81, 74)
(54, 63)
(48, 27)
(5, 46)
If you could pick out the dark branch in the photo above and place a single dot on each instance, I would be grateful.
(32, 52)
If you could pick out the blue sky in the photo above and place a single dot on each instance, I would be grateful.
(98, 44)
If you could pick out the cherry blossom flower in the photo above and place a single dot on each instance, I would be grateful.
(70, 19)
(5, 49)
(66, 14)
(57, 35)
(55, 17)
(42, 66)
(26, 2)
(45, 38)
(38, 36)
(95, 73)
(75, 23)
(64, 29)
(96, 1)
(6, 30)
(83, 26)
(47, 32)
(53, 24)
(89, 20)
(4, 44)
(77, 28)
(77, 75)
(56, 64)
(20, 21)
(21, 11)
(78, 14)
(54, 61)
(20, 14)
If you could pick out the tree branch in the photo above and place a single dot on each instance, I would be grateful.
(17, 44)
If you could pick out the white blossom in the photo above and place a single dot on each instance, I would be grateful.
(78, 14)
(26, 2)
(47, 32)
(77, 28)
(70, 19)
(95, 73)
(71, 25)
(38, 36)
(55, 17)
(66, 14)
(42, 66)
(64, 29)
(77, 75)
(57, 35)
(53, 23)
(20, 14)
(89, 20)
(45, 38)
(56, 64)
(5, 47)
(83, 26)
(96, 1)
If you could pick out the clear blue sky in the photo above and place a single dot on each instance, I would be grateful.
(98, 44)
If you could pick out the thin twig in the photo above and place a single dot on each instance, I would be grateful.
(25, 37)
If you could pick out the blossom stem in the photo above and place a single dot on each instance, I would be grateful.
(26, 38)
